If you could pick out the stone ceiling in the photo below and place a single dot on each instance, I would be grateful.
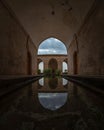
(51, 18)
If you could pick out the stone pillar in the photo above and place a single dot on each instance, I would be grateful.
(35, 65)
(45, 64)
(60, 65)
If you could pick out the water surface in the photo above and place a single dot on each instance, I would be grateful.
(52, 104)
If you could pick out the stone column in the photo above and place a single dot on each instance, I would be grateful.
(60, 65)
(45, 64)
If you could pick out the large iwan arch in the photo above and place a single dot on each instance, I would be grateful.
(52, 52)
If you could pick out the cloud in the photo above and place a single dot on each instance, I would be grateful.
(52, 46)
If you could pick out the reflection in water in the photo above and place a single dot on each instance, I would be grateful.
(53, 82)
(41, 81)
(52, 101)
(30, 108)
(64, 81)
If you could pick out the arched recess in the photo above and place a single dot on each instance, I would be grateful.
(75, 62)
(53, 65)
(64, 67)
(41, 66)
(29, 63)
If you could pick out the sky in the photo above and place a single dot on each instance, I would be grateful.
(52, 46)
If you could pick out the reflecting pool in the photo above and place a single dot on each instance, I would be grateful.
(52, 104)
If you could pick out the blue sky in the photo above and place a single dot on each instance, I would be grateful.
(52, 46)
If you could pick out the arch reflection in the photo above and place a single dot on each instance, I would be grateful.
(64, 81)
(52, 101)
(41, 81)
(53, 82)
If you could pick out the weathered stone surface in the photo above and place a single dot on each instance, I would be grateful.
(90, 44)
(13, 50)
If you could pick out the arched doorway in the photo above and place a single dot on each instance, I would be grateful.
(64, 67)
(29, 63)
(75, 62)
(52, 47)
(41, 67)
(53, 65)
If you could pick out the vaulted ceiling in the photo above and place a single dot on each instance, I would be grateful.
(51, 18)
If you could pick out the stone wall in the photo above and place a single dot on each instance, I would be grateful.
(13, 44)
(46, 59)
(32, 54)
(71, 50)
(89, 43)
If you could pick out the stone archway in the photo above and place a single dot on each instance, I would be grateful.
(53, 65)
(64, 67)
(75, 62)
(29, 63)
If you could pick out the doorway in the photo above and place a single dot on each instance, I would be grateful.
(75, 62)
